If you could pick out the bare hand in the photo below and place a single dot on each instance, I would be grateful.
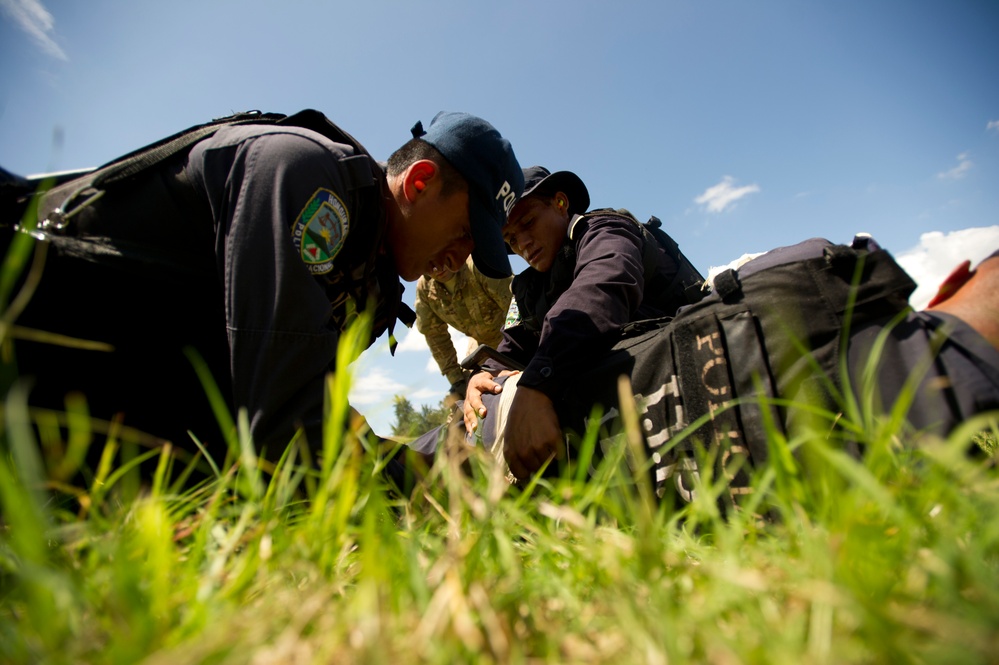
(533, 435)
(481, 383)
(472, 409)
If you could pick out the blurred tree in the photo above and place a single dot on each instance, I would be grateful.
(411, 423)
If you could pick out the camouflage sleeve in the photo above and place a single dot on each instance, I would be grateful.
(435, 330)
(499, 294)
(499, 291)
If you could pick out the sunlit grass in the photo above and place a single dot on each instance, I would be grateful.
(888, 559)
(892, 558)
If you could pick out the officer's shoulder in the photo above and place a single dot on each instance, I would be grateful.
(611, 212)
(601, 219)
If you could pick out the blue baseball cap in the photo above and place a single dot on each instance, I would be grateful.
(486, 160)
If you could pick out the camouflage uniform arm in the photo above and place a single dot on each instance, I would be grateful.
(498, 292)
(438, 338)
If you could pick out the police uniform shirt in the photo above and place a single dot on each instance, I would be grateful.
(253, 247)
(290, 237)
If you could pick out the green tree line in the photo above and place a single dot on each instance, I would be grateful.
(412, 423)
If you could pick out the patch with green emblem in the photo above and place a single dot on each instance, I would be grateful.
(320, 231)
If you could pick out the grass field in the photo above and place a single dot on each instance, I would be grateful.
(890, 559)
(893, 559)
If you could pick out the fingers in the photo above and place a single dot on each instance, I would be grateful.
(468, 414)
(473, 408)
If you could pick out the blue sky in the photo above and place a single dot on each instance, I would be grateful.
(744, 125)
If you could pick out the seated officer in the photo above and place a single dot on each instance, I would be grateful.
(589, 275)
(253, 241)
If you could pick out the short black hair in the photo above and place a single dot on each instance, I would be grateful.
(452, 182)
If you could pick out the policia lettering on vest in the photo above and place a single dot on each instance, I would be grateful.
(253, 240)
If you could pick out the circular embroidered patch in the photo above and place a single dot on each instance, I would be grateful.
(320, 231)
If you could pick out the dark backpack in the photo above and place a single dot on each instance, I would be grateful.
(771, 329)
(685, 286)
(688, 280)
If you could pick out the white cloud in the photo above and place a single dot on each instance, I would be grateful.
(714, 270)
(379, 377)
(939, 253)
(424, 395)
(724, 194)
(32, 17)
(413, 341)
(993, 124)
(964, 165)
(374, 387)
(460, 341)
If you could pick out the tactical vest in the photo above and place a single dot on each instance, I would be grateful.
(536, 293)
(357, 277)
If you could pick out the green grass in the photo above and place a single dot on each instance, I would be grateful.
(890, 559)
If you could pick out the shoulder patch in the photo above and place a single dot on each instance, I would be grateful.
(512, 315)
(320, 231)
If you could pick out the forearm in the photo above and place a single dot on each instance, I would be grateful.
(433, 328)
(446, 358)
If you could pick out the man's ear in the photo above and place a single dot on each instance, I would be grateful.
(561, 202)
(955, 280)
(418, 177)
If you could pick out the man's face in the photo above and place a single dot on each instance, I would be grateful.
(535, 231)
(435, 238)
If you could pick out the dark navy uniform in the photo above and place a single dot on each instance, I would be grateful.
(575, 310)
(254, 247)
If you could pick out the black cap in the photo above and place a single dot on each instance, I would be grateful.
(539, 181)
